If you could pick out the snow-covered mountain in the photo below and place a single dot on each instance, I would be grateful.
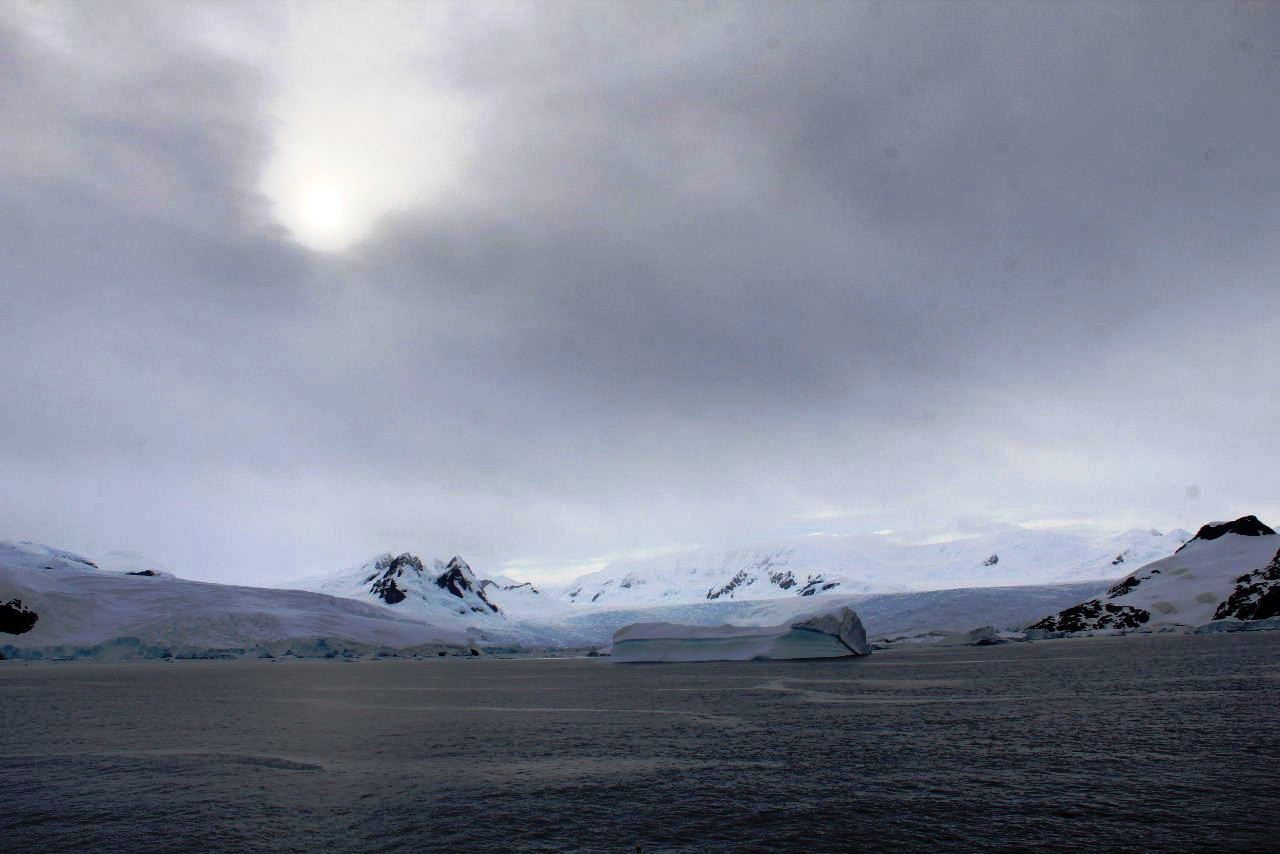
(1229, 570)
(56, 600)
(873, 563)
(431, 590)
(77, 604)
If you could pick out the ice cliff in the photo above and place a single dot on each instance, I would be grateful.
(833, 633)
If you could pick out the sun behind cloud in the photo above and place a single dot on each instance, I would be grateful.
(361, 125)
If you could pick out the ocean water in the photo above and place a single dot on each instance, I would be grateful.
(1156, 743)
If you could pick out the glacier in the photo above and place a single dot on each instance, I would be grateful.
(835, 633)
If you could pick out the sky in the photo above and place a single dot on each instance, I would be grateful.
(283, 286)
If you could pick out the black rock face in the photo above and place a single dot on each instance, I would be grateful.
(1256, 595)
(388, 591)
(991, 561)
(15, 619)
(1245, 526)
(1093, 615)
(149, 573)
(486, 583)
(784, 580)
(1124, 587)
(382, 583)
(456, 578)
(814, 583)
(729, 586)
(405, 562)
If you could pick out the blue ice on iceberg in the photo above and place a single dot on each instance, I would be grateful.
(824, 634)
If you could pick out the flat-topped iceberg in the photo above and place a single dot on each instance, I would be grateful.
(824, 634)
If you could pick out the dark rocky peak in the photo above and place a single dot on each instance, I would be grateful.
(991, 561)
(459, 580)
(405, 562)
(394, 567)
(386, 569)
(1245, 526)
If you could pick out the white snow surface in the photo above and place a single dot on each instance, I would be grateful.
(828, 566)
(78, 603)
(832, 633)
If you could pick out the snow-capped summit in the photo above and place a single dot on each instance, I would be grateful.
(1222, 572)
(408, 584)
(459, 580)
(1245, 526)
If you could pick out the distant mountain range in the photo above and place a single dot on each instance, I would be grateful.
(871, 563)
(56, 603)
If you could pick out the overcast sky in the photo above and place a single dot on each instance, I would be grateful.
(285, 286)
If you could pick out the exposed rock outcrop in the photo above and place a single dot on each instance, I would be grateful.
(459, 580)
(1092, 615)
(16, 619)
(1256, 595)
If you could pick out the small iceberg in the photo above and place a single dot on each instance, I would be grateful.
(825, 634)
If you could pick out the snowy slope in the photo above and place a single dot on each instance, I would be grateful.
(828, 565)
(78, 603)
(1185, 589)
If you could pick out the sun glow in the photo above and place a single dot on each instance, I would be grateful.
(321, 215)
(365, 124)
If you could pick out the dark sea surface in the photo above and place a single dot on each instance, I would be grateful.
(1155, 743)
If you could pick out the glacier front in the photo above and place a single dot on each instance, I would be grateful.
(834, 633)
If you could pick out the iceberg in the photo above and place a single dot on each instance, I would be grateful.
(833, 633)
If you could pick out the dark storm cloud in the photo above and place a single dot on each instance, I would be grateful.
(711, 271)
